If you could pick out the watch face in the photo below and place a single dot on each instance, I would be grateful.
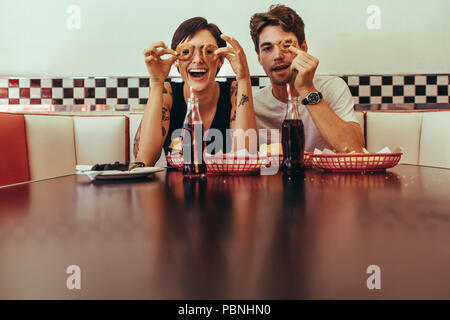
(313, 98)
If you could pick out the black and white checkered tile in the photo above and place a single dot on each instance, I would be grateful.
(366, 89)
(69, 91)
(400, 89)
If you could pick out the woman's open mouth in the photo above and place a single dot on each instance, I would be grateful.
(198, 74)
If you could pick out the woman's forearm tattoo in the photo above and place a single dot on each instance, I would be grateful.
(137, 139)
(233, 91)
(244, 99)
(167, 92)
(233, 118)
(165, 117)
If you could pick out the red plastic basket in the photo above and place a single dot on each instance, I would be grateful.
(224, 164)
(355, 162)
(175, 161)
(306, 159)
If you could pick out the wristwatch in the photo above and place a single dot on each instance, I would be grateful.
(312, 98)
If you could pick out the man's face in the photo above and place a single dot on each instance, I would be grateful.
(274, 61)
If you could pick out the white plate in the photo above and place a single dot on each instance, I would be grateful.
(116, 174)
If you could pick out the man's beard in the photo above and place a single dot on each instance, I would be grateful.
(283, 82)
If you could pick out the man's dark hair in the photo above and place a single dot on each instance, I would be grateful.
(191, 26)
(278, 15)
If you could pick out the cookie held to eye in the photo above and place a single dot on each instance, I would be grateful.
(208, 52)
(286, 43)
(185, 51)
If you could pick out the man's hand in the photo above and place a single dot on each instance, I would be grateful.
(305, 65)
(159, 68)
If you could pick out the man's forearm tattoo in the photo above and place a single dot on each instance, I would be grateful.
(137, 139)
(163, 131)
(244, 99)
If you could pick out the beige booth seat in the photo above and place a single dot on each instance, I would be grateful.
(56, 143)
(135, 120)
(100, 139)
(50, 143)
(394, 130)
(435, 139)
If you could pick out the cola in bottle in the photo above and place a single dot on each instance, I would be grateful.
(293, 140)
(193, 145)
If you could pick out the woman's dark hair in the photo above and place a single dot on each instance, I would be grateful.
(191, 26)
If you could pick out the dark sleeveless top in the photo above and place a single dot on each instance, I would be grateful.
(221, 119)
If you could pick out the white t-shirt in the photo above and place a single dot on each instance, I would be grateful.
(270, 112)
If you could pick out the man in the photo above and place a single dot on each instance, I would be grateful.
(327, 105)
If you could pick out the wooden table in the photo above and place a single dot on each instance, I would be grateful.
(230, 237)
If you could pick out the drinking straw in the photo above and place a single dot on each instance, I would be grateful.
(191, 90)
(288, 88)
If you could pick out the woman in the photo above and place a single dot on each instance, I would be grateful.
(222, 105)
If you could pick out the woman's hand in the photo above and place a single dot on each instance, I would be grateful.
(236, 56)
(159, 68)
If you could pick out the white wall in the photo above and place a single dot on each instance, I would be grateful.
(35, 39)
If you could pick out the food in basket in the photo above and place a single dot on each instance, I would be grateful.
(176, 146)
(275, 153)
(271, 149)
(355, 161)
(239, 162)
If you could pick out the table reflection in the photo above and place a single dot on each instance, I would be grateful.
(226, 237)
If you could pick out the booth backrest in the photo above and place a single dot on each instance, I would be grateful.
(101, 139)
(38, 147)
(43, 146)
(435, 139)
(13, 149)
(395, 130)
(51, 150)
(423, 135)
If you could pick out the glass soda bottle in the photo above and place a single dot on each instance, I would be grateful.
(193, 145)
(293, 140)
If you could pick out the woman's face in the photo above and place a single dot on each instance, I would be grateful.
(199, 72)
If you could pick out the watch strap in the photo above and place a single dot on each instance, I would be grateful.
(305, 100)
